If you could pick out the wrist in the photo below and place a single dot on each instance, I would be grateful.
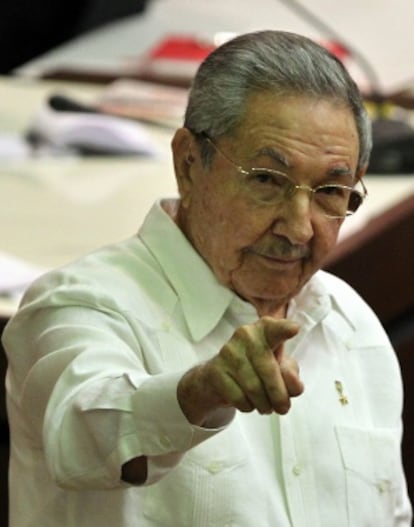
(199, 403)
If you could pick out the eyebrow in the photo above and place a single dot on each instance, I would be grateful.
(338, 171)
(343, 172)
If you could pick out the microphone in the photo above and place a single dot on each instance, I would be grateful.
(393, 139)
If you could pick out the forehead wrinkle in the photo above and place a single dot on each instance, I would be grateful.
(274, 154)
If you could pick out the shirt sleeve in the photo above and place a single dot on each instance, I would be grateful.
(89, 401)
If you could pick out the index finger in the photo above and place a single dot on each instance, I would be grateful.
(277, 331)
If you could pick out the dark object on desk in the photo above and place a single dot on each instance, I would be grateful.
(393, 148)
(60, 103)
(62, 73)
(393, 140)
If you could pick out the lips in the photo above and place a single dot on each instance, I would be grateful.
(278, 262)
(281, 259)
(282, 253)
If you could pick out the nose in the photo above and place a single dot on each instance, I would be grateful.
(294, 219)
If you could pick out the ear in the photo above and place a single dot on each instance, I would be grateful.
(183, 149)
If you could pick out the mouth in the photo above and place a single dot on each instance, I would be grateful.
(279, 261)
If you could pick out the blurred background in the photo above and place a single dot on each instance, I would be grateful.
(30, 28)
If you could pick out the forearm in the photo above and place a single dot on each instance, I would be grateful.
(114, 432)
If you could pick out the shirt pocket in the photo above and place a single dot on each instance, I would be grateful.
(205, 488)
(371, 460)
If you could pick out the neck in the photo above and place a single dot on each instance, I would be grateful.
(171, 207)
(269, 308)
(276, 308)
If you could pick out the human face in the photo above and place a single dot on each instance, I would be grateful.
(266, 254)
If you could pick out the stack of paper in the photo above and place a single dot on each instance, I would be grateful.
(16, 275)
(145, 101)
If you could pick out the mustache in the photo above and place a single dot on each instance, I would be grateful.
(280, 248)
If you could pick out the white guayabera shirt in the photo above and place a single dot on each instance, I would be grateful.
(95, 355)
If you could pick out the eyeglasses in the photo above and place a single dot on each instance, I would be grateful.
(271, 187)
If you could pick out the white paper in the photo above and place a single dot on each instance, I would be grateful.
(13, 147)
(16, 274)
(99, 132)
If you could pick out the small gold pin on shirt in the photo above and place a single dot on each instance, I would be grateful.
(343, 399)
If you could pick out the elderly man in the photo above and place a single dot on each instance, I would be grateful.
(206, 372)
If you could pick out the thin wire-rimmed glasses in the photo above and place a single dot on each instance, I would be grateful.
(270, 187)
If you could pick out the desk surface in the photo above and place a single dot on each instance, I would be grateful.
(55, 210)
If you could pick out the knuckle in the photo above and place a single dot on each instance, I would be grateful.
(265, 320)
(253, 386)
(283, 408)
(242, 404)
(229, 350)
(231, 356)
(243, 332)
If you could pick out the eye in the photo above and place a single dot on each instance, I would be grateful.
(261, 176)
(334, 191)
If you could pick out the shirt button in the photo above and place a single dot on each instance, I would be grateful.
(383, 486)
(297, 470)
(215, 467)
(165, 325)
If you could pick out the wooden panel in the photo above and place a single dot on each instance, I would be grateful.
(378, 261)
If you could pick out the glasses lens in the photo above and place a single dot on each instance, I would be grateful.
(333, 200)
(355, 200)
(267, 185)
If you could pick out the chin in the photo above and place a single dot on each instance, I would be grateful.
(267, 293)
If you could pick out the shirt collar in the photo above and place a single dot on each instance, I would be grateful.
(320, 301)
(191, 278)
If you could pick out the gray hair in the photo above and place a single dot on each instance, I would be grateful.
(278, 61)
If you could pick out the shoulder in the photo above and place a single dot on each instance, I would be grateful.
(122, 277)
(344, 295)
(338, 288)
(111, 263)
